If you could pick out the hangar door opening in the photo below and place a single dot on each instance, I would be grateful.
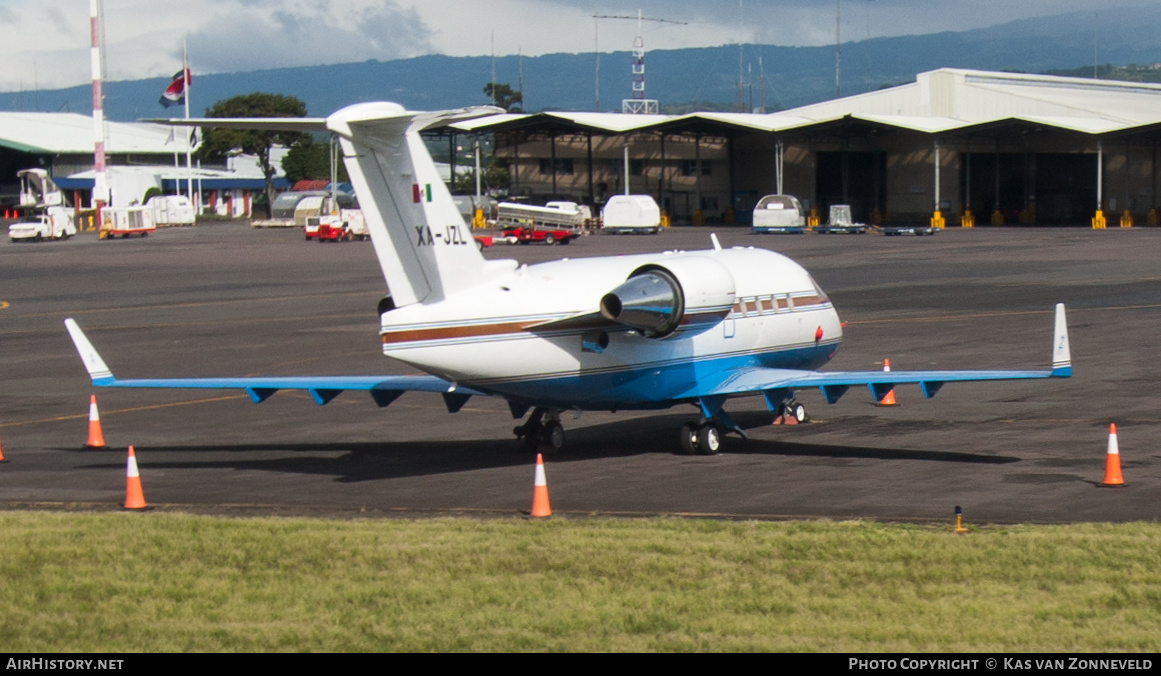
(1062, 186)
(1065, 188)
(854, 178)
(994, 182)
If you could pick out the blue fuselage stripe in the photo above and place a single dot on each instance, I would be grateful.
(648, 387)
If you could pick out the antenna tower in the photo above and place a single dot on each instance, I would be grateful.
(638, 104)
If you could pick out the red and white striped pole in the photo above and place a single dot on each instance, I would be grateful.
(100, 186)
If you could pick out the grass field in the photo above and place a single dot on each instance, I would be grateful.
(174, 582)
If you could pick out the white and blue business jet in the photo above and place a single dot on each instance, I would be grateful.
(611, 333)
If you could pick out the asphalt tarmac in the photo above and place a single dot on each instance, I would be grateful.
(228, 300)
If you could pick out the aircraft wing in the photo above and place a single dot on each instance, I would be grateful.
(384, 389)
(834, 384)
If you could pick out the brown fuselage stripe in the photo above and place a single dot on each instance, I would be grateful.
(447, 332)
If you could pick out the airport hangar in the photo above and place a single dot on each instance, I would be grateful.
(139, 156)
(1014, 148)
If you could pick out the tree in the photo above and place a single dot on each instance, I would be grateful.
(219, 143)
(309, 159)
(494, 179)
(504, 97)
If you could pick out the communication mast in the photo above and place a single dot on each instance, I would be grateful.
(638, 103)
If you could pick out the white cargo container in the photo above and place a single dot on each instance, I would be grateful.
(171, 210)
(125, 221)
(779, 214)
(631, 213)
(840, 222)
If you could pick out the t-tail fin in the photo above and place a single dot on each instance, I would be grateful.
(425, 249)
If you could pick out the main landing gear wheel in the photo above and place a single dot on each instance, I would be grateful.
(701, 438)
(689, 438)
(709, 439)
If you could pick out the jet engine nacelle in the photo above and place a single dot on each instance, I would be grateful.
(679, 295)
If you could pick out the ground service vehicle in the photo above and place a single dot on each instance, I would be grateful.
(528, 235)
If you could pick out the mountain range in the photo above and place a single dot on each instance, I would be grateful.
(681, 79)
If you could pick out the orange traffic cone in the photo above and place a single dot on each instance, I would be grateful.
(540, 506)
(134, 498)
(96, 439)
(889, 398)
(1113, 461)
(2, 455)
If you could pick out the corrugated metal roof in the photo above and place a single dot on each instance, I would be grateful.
(69, 133)
(931, 124)
(939, 101)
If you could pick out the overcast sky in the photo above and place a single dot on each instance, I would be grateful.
(45, 43)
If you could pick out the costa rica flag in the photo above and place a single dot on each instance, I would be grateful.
(175, 93)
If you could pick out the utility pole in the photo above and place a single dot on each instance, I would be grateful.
(837, 47)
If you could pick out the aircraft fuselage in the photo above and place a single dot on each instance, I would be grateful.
(533, 335)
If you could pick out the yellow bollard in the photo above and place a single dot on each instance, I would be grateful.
(812, 220)
(1127, 219)
(959, 522)
(876, 216)
(478, 220)
(1098, 221)
(997, 217)
(698, 218)
(967, 220)
(1153, 218)
(664, 219)
(937, 220)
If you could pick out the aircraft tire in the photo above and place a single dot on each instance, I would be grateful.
(709, 439)
(798, 412)
(689, 438)
(553, 434)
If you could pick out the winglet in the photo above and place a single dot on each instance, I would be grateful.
(1061, 355)
(96, 367)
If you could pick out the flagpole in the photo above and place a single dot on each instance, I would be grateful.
(189, 136)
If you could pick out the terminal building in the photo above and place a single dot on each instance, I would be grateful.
(139, 156)
(1005, 147)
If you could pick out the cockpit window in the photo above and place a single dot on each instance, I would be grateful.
(818, 289)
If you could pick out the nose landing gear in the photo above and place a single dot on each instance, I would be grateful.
(542, 427)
